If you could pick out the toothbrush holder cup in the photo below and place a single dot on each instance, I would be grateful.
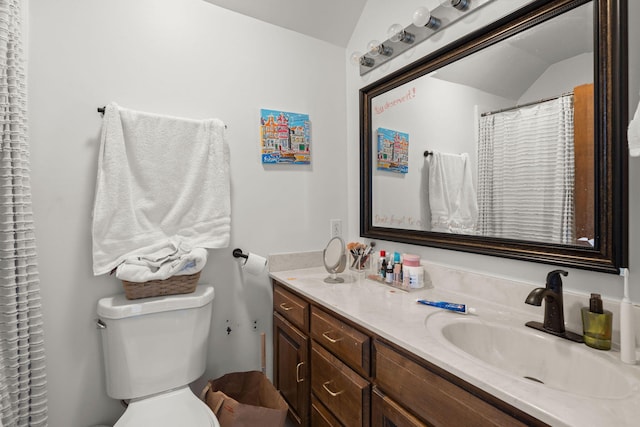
(359, 263)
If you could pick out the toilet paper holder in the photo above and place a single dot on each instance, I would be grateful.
(237, 253)
(252, 263)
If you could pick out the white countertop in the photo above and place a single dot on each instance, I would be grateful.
(394, 315)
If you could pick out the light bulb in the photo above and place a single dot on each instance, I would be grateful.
(359, 59)
(355, 58)
(422, 18)
(397, 33)
(373, 48)
(376, 48)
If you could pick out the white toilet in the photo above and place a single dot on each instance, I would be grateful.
(153, 348)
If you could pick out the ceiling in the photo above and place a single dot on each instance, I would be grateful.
(509, 68)
(315, 18)
(514, 65)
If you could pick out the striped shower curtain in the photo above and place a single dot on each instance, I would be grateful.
(526, 173)
(23, 398)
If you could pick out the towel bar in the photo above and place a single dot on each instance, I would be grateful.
(101, 111)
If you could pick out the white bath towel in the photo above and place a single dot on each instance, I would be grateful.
(452, 197)
(163, 183)
(633, 134)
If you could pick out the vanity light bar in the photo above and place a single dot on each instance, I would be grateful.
(445, 14)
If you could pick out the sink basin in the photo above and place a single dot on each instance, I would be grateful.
(534, 356)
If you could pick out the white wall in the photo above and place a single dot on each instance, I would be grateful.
(184, 58)
(376, 18)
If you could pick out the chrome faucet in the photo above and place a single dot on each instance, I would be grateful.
(553, 309)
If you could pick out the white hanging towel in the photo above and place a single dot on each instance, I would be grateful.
(162, 190)
(452, 197)
(633, 134)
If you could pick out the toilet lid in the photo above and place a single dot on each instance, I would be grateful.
(176, 408)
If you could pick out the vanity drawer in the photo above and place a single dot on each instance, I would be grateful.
(344, 393)
(350, 345)
(431, 397)
(385, 412)
(320, 416)
(291, 307)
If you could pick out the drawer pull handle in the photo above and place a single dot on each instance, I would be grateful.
(332, 393)
(285, 308)
(331, 340)
(298, 379)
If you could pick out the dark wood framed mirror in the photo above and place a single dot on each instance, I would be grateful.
(436, 169)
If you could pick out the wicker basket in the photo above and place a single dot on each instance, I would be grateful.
(174, 285)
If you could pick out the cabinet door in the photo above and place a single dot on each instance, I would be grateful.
(291, 368)
(387, 413)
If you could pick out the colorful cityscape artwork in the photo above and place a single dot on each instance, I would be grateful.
(285, 137)
(393, 151)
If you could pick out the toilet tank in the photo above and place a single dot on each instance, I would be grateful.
(152, 345)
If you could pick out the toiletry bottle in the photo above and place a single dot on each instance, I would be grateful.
(413, 273)
(405, 272)
(373, 264)
(397, 269)
(382, 271)
(389, 276)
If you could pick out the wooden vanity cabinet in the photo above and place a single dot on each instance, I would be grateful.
(291, 373)
(322, 364)
(334, 373)
(436, 400)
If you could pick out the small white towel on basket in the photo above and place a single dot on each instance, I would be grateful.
(179, 263)
(162, 190)
(452, 197)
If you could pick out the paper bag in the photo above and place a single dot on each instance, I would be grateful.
(245, 399)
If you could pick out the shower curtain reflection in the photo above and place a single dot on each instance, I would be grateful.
(526, 173)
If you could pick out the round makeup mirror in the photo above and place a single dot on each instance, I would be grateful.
(335, 259)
